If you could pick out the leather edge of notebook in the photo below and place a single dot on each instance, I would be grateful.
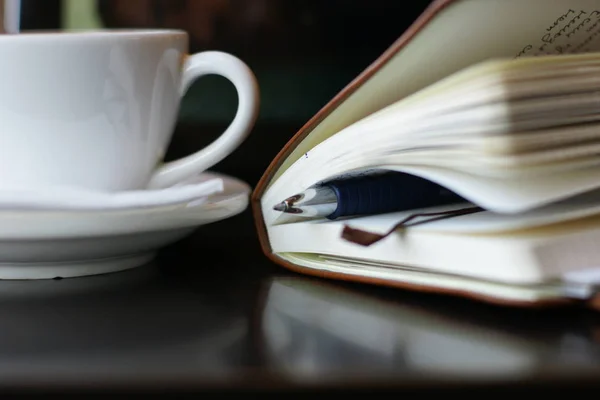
(498, 301)
(426, 16)
(261, 228)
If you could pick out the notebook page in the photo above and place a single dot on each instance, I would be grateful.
(510, 195)
(406, 134)
(527, 28)
(524, 257)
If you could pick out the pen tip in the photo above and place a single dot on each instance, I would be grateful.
(280, 207)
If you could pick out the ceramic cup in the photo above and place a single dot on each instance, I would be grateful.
(97, 110)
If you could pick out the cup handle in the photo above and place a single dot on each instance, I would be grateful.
(236, 71)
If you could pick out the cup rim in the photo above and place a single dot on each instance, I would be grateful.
(98, 33)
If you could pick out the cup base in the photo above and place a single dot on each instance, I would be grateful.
(71, 269)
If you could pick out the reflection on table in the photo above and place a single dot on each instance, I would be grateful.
(116, 327)
(312, 329)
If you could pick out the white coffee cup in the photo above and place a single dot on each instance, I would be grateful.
(97, 110)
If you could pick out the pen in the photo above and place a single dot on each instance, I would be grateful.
(367, 195)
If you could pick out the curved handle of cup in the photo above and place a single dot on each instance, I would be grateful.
(236, 71)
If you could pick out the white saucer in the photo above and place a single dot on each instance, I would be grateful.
(61, 244)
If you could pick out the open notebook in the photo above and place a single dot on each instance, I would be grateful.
(496, 100)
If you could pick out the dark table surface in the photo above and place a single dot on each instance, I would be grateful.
(213, 314)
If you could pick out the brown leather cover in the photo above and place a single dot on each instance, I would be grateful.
(2, 16)
(434, 8)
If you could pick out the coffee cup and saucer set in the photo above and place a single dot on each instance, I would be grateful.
(85, 121)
